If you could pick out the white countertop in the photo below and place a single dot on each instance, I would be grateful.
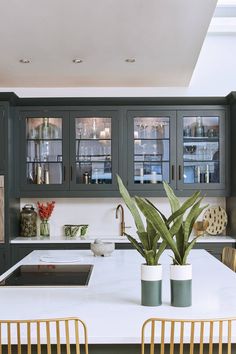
(116, 239)
(110, 304)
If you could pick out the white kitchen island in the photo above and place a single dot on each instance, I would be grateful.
(110, 304)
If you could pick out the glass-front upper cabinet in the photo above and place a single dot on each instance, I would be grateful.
(151, 149)
(44, 150)
(201, 150)
(94, 150)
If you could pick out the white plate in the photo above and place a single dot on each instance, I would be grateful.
(59, 259)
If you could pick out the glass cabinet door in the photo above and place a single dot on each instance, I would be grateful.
(95, 159)
(43, 151)
(151, 149)
(201, 153)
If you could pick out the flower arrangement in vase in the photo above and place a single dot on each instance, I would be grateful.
(45, 211)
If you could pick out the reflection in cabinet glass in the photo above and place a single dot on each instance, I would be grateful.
(201, 149)
(151, 149)
(93, 150)
(44, 150)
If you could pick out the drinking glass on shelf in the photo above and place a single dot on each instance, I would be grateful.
(79, 130)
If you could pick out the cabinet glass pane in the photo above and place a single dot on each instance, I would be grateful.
(44, 150)
(201, 146)
(151, 149)
(93, 150)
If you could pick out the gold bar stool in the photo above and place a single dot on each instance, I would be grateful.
(187, 336)
(59, 332)
(229, 257)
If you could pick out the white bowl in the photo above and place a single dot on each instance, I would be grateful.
(102, 249)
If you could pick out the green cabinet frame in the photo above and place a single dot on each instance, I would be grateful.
(23, 115)
(115, 124)
(131, 114)
(69, 187)
(222, 150)
(122, 150)
(2, 139)
(176, 151)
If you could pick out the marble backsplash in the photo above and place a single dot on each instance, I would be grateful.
(99, 213)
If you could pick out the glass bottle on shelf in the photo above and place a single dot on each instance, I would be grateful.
(199, 130)
(47, 130)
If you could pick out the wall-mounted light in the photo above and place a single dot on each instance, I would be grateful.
(77, 61)
(25, 61)
(130, 60)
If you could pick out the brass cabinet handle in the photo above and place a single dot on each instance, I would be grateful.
(71, 173)
(180, 172)
(64, 173)
(172, 172)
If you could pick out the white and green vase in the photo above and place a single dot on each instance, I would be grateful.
(151, 285)
(181, 285)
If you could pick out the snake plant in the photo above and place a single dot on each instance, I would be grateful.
(148, 235)
(174, 230)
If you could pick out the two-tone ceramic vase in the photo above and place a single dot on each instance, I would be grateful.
(151, 285)
(181, 285)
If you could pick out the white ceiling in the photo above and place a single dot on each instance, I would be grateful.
(164, 36)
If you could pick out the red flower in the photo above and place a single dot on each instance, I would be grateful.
(45, 211)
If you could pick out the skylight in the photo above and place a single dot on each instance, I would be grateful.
(224, 18)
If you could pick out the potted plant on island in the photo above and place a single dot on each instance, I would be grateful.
(176, 231)
(147, 246)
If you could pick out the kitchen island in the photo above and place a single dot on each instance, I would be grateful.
(110, 304)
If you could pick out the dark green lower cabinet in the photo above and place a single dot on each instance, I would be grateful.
(120, 349)
(20, 251)
(215, 249)
(2, 260)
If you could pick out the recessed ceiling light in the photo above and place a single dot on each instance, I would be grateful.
(130, 60)
(77, 61)
(25, 61)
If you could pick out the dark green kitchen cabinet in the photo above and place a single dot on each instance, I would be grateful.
(19, 251)
(151, 155)
(2, 260)
(2, 139)
(186, 148)
(73, 152)
(94, 149)
(202, 150)
(70, 152)
(44, 150)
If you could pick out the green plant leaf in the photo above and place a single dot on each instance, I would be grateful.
(130, 205)
(136, 245)
(143, 236)
(151, 231)
(150, 257)
(186, 205)
(152, 215)
(155, 244)
(162, 215)
(161, 249)
(188, 249)
(174, 201)
(191, 218)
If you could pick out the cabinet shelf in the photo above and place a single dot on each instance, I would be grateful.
(202, 161)
(43, 162)
(203, 139)
(151, 161)
(150, 139)
(36, 139)
(92, 139)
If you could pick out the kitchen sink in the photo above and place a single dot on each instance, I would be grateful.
(49, 275)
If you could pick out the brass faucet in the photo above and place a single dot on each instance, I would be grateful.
(122, 223)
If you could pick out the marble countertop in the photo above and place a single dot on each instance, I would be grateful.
(110, 304)
(116, 239)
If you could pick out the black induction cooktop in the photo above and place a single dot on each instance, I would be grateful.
(49, 275)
